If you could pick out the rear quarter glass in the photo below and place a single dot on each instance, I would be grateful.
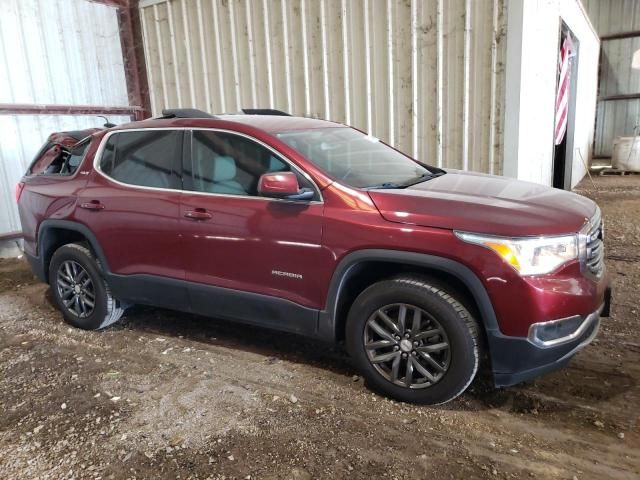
(44, 159)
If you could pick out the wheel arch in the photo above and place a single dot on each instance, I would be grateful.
(359, 269)
(52, 234)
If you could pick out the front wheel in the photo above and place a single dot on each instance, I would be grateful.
(413, 341)
(81, 292)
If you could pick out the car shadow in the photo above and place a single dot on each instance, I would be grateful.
(271, 344)
(214, 331)
(578, 387)
(555, 393)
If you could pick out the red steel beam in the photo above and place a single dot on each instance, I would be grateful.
(49, 109)
(10, 236)
(133, 56)
(132, 53)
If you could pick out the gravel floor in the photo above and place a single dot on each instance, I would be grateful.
(168, 395)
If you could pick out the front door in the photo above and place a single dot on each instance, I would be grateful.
(249, 257)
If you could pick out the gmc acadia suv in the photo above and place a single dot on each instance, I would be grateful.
(313, 227)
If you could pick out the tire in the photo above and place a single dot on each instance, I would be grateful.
(445, 331)
(74, 272)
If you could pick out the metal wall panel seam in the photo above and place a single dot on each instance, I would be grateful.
(8, 199)
(44, 45)
(163, 76)
(465, 91)
(216, 31)
(267, 44)
(287, 54)
(71, 44)
(305, 58)
(439, 82)
(325, 59)
(187, 40)
(85, 61)
(65, 60)
(414, 78)
(147, 53)
(174, 53)
(234, 55)
(203, 56)
(367, 48)
(392, 133)
(493, 87)
(32, 88)
(345, 62)
(20, 140)
(5, 61)
(252, 65)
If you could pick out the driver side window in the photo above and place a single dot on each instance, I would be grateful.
(230, 164)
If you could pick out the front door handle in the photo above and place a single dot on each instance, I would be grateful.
(197, 214)
(92, 205)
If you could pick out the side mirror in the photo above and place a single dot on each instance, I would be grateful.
(283, 185)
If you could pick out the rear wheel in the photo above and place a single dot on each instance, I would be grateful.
(81, 292)
(413, 341)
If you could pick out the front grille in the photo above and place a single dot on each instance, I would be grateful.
(595, 251)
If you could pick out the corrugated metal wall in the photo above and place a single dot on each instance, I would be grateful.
(616, 117)
(52, 52)
(425, 75)
(613, 16)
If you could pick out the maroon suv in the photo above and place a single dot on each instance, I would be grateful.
(312, 227)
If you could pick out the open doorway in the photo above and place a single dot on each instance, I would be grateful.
(567, 81)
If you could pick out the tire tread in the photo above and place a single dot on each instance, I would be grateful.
(417, 286)
(114, 310)
(425, 283)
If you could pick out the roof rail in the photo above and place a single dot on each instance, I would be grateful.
(185, 113)
(264, 111)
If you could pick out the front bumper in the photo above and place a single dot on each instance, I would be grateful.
(518, 359)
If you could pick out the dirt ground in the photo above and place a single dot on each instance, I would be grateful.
(169, 395)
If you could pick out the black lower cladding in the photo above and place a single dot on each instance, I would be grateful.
(37, 267)
(606, 310)
(217, 302)
(516, 359)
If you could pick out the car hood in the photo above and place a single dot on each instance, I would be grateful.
(475, 202)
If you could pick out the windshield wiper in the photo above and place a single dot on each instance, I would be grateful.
(422, 178)
(386, 185)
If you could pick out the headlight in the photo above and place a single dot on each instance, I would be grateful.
(529, 256)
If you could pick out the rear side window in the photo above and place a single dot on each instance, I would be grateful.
(54, 160)
(147, 159)
(74, 158)
(45, 157)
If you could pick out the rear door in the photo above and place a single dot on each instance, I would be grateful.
(131, 203)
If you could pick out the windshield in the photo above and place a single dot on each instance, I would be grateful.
(357, 159)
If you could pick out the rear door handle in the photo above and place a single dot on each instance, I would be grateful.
(198, 214)
(92, 205)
